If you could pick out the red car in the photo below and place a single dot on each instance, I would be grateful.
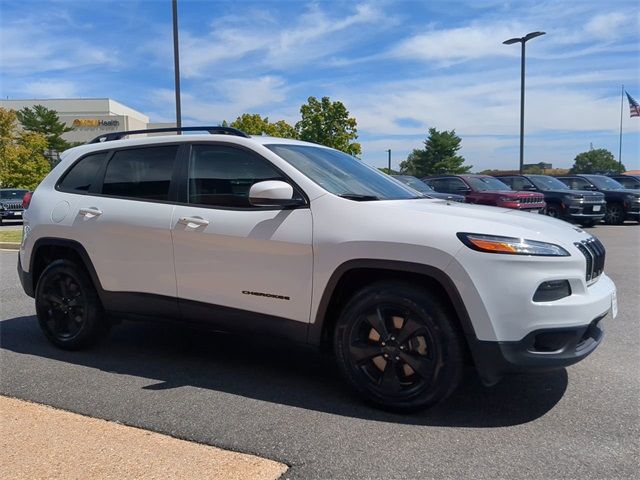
(487, 190)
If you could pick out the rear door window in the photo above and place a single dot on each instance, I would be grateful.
(83, 174)
(143, 173)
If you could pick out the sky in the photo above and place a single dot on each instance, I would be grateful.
(400, 67)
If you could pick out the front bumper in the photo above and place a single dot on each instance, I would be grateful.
(11, 213)
(539, 351)
(579, 211)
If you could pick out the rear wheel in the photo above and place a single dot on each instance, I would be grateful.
(614, 214)
(398, 347)
(68, 307)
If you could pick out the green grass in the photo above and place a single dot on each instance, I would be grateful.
(11, 236)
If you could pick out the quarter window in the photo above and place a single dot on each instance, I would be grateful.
(143, 173)
(222, 176)
(82, 174)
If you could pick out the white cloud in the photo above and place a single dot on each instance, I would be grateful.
(51, 89)
(30, 48)
(608, 25)
(475, 41)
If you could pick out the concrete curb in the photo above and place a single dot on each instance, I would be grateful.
(9, 246)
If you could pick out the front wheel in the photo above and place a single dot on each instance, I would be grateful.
(68, 307)
(614, 214)
(553, 210)
(398, 347)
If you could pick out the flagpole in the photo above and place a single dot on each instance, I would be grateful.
(621, 108)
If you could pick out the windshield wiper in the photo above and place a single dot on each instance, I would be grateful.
(358, 197)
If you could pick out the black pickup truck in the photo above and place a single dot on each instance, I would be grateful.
(585, 207)
(622, 203)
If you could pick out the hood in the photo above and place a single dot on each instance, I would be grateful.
(464, 217)
(584, 193)
(511, 193)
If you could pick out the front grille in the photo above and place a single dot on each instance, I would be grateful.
(529, 200)
(13, 206)
(593, 199)
(594, 253)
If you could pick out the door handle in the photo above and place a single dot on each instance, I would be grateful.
(90, 212)
(190, 221)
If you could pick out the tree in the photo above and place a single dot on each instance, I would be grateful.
(599, 160)
(438, 156)
(22, 162)
(328, 123)
(40, 119)
(254, 124)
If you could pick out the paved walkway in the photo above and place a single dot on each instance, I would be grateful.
(37, 441)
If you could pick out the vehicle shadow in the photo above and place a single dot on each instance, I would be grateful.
(172, 356)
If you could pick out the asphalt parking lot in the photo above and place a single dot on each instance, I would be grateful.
(287, 403)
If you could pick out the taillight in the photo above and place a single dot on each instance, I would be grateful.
(26, 200)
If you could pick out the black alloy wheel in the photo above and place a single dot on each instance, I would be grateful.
(68, 308)
(398, 347)
(614, 214)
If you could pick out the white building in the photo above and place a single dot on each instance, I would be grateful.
(89, 117)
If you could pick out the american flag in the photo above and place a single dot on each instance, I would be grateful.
(633, 106)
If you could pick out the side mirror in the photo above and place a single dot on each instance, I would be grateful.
(463, 189)
(272, 193)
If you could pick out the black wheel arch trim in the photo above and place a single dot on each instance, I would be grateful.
(317, 328)
(64, 243)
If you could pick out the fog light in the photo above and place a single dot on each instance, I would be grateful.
(552, 290)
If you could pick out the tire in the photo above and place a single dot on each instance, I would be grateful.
(69, 311)
(614, 214)
(553, 210)
(412, 359)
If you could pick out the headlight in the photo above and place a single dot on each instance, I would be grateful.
(510, 245)
(508, 199)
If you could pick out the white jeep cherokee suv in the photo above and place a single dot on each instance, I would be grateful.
(274, 236)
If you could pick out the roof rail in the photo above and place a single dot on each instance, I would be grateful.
(107, 137)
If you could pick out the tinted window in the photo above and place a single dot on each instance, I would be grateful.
(604, 183)
(222, 176)
(519, 183)
(545, 182)
(140, 173)
(414, 183)
(12, 194)
(82, 174)
(578, 184)
(481, 184)
(628, 182)
(449, 185)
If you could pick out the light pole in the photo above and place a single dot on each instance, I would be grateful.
(176, 64)
(389, 151)
(522, 40)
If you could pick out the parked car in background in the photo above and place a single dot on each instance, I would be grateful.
(487, 190)
(581, 206)
(622, 203)
(11, 203)
(631, 182)
(425, 189)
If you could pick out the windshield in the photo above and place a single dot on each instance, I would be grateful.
(342, 174)
(486, 183)
(12, 194)
(414, 183)
(604, 183)
(545, 182)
